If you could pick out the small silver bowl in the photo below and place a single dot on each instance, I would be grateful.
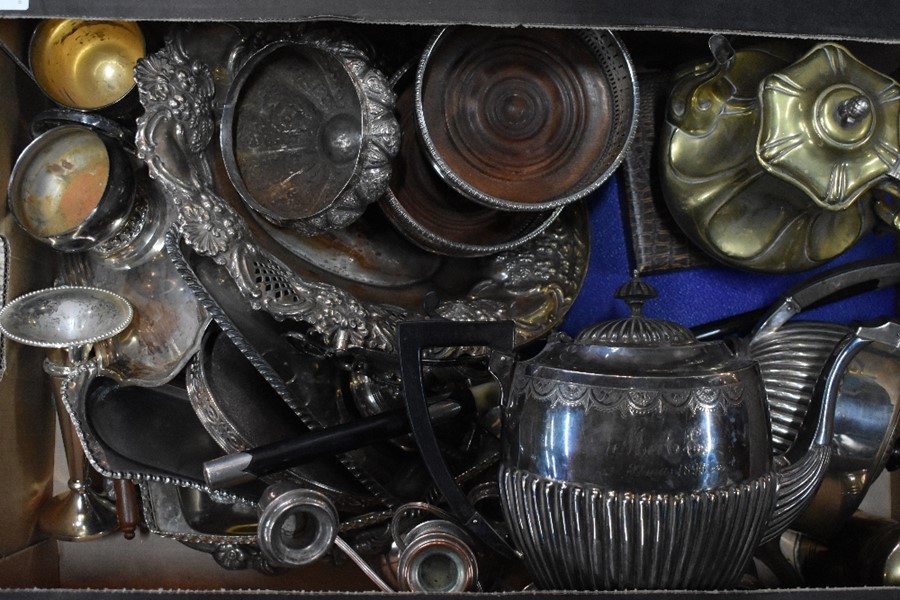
(72, 188)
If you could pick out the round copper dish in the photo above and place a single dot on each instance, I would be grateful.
(512, 123)
(434, 216)
(86, 65)
(307, 135)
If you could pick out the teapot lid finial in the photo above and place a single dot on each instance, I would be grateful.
(635, 293)
(636, 330)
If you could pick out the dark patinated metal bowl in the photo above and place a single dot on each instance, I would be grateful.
(512, 123)
(308, 134)
(436, 217)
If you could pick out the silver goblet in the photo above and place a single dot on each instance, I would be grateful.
(68, 321)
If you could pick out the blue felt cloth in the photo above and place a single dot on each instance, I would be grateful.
(696, 296)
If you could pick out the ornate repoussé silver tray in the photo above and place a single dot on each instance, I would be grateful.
(351, 288)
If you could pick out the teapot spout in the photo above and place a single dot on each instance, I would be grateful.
(796, 485)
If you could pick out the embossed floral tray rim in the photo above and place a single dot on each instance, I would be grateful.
(173, 138)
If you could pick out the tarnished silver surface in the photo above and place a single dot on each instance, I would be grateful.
(312, 385)
(584, 536)
(621, 443)
(308, 132)
(189, 515)
(491, 102)
(72, 188)
(176, 461)
(534, 285)
(637, 457)
(432, 556)
(242, 408)
(225, 530)
(69, 320)
(65, 317)
(125, 234)
(170, 322)
(806, 364)
(864, 379)
(140, 238)
(430, 213)
(296, 526)
(791, 360)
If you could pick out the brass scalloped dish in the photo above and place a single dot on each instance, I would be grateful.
(719, 193)
(829, 126)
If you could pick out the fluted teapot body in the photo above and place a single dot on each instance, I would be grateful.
(635, 456)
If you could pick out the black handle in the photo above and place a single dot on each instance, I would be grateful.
(242, 467)
(413, 337)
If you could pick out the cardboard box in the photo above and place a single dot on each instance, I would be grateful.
(31, 565)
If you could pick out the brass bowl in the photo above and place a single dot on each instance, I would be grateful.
(72, 188)
(86, 65)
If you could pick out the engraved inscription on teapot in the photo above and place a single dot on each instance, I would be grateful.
(625, 438)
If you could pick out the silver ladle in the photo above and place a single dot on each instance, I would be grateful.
(68, 321)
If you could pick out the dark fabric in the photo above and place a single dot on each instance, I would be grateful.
(696, 296)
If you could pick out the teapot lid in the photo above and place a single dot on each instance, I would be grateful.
(635, 346)
(829, 125)
(636, 330)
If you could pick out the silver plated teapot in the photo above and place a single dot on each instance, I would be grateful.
(636, 456)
